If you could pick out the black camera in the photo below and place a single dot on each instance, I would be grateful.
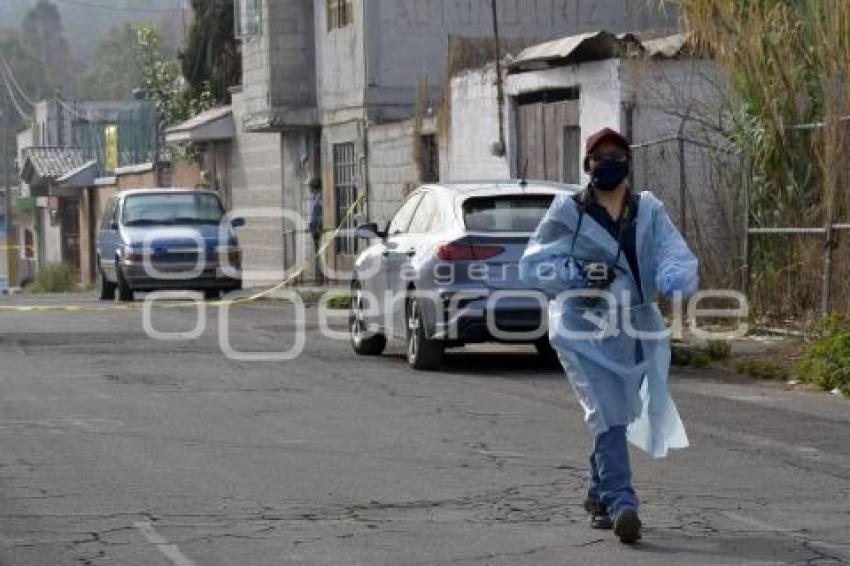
(599, 275)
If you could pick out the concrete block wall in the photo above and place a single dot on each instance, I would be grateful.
(342, 65)
(474, 127)
(392, 170)
(291, 53)
(257, 183)
(256, 74)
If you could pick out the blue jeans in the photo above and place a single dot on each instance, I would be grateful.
(610, 475)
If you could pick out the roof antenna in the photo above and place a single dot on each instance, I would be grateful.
(523, 182)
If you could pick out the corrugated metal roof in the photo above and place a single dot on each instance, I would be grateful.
(212, 125)
(668, 47)
(596, 46)
(202, 119)
(48, 164)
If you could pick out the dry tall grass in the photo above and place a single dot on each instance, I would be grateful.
(789, 66)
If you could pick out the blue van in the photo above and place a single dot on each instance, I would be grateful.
(167, 239)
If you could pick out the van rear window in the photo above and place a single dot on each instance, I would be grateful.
(509, 213)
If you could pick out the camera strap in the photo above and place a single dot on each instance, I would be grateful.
(622, 222)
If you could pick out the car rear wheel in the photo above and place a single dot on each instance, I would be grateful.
(105, 288)
(423, 353)
(125, 292)
(364, 342)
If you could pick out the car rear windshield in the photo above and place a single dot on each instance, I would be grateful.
(509, 213)
(172, 209)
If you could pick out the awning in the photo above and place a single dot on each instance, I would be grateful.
(57, 171)
(213, 125)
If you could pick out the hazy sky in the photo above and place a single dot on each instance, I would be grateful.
(86, 21)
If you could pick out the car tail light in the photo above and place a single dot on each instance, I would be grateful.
(455, 251)
(134, 258)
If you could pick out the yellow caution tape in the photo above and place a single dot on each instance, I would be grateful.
(228, 302)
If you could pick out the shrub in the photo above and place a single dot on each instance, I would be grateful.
(763, 370)
(54, 278)
(827, 362)
(683, 355)
(719, 349)
(340, 302)
(700, 360)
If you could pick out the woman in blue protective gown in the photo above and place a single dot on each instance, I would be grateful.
(604, 256)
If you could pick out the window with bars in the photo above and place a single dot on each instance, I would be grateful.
(340, 14)
(345, 194)
(248, 18)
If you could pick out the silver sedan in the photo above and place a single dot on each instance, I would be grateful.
(445, 271)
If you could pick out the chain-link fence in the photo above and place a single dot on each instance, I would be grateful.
(699, 184)
(774, 245)
(796, 249)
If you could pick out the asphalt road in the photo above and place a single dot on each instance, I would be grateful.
(119, 449)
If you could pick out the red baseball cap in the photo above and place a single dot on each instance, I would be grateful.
(606, 135)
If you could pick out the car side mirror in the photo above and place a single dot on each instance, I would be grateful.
(237, 222)
(369, 231)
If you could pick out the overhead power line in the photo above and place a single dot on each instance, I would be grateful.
(26, 117)
(72, 110)
(15, 82)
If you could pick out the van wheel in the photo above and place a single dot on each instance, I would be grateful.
(364, 342)
(422, 352)
(125, 293)
(105, 288)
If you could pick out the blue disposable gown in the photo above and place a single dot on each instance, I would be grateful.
(618, 382)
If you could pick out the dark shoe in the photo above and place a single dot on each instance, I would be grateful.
(627, 526)
(599, 517)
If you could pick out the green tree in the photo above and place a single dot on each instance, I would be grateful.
(211, 58)
(42, 30)
(27, 69)
(163, 82)
(118, 68)
(31, 78)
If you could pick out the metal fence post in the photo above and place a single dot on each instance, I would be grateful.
(827, 268)
(747, 170)
(683, 185)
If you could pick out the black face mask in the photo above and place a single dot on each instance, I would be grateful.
(609, 174)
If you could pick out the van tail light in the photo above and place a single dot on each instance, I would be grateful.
(455, 251)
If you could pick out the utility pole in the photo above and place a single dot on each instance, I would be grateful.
(501, 148)
(7, 184)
